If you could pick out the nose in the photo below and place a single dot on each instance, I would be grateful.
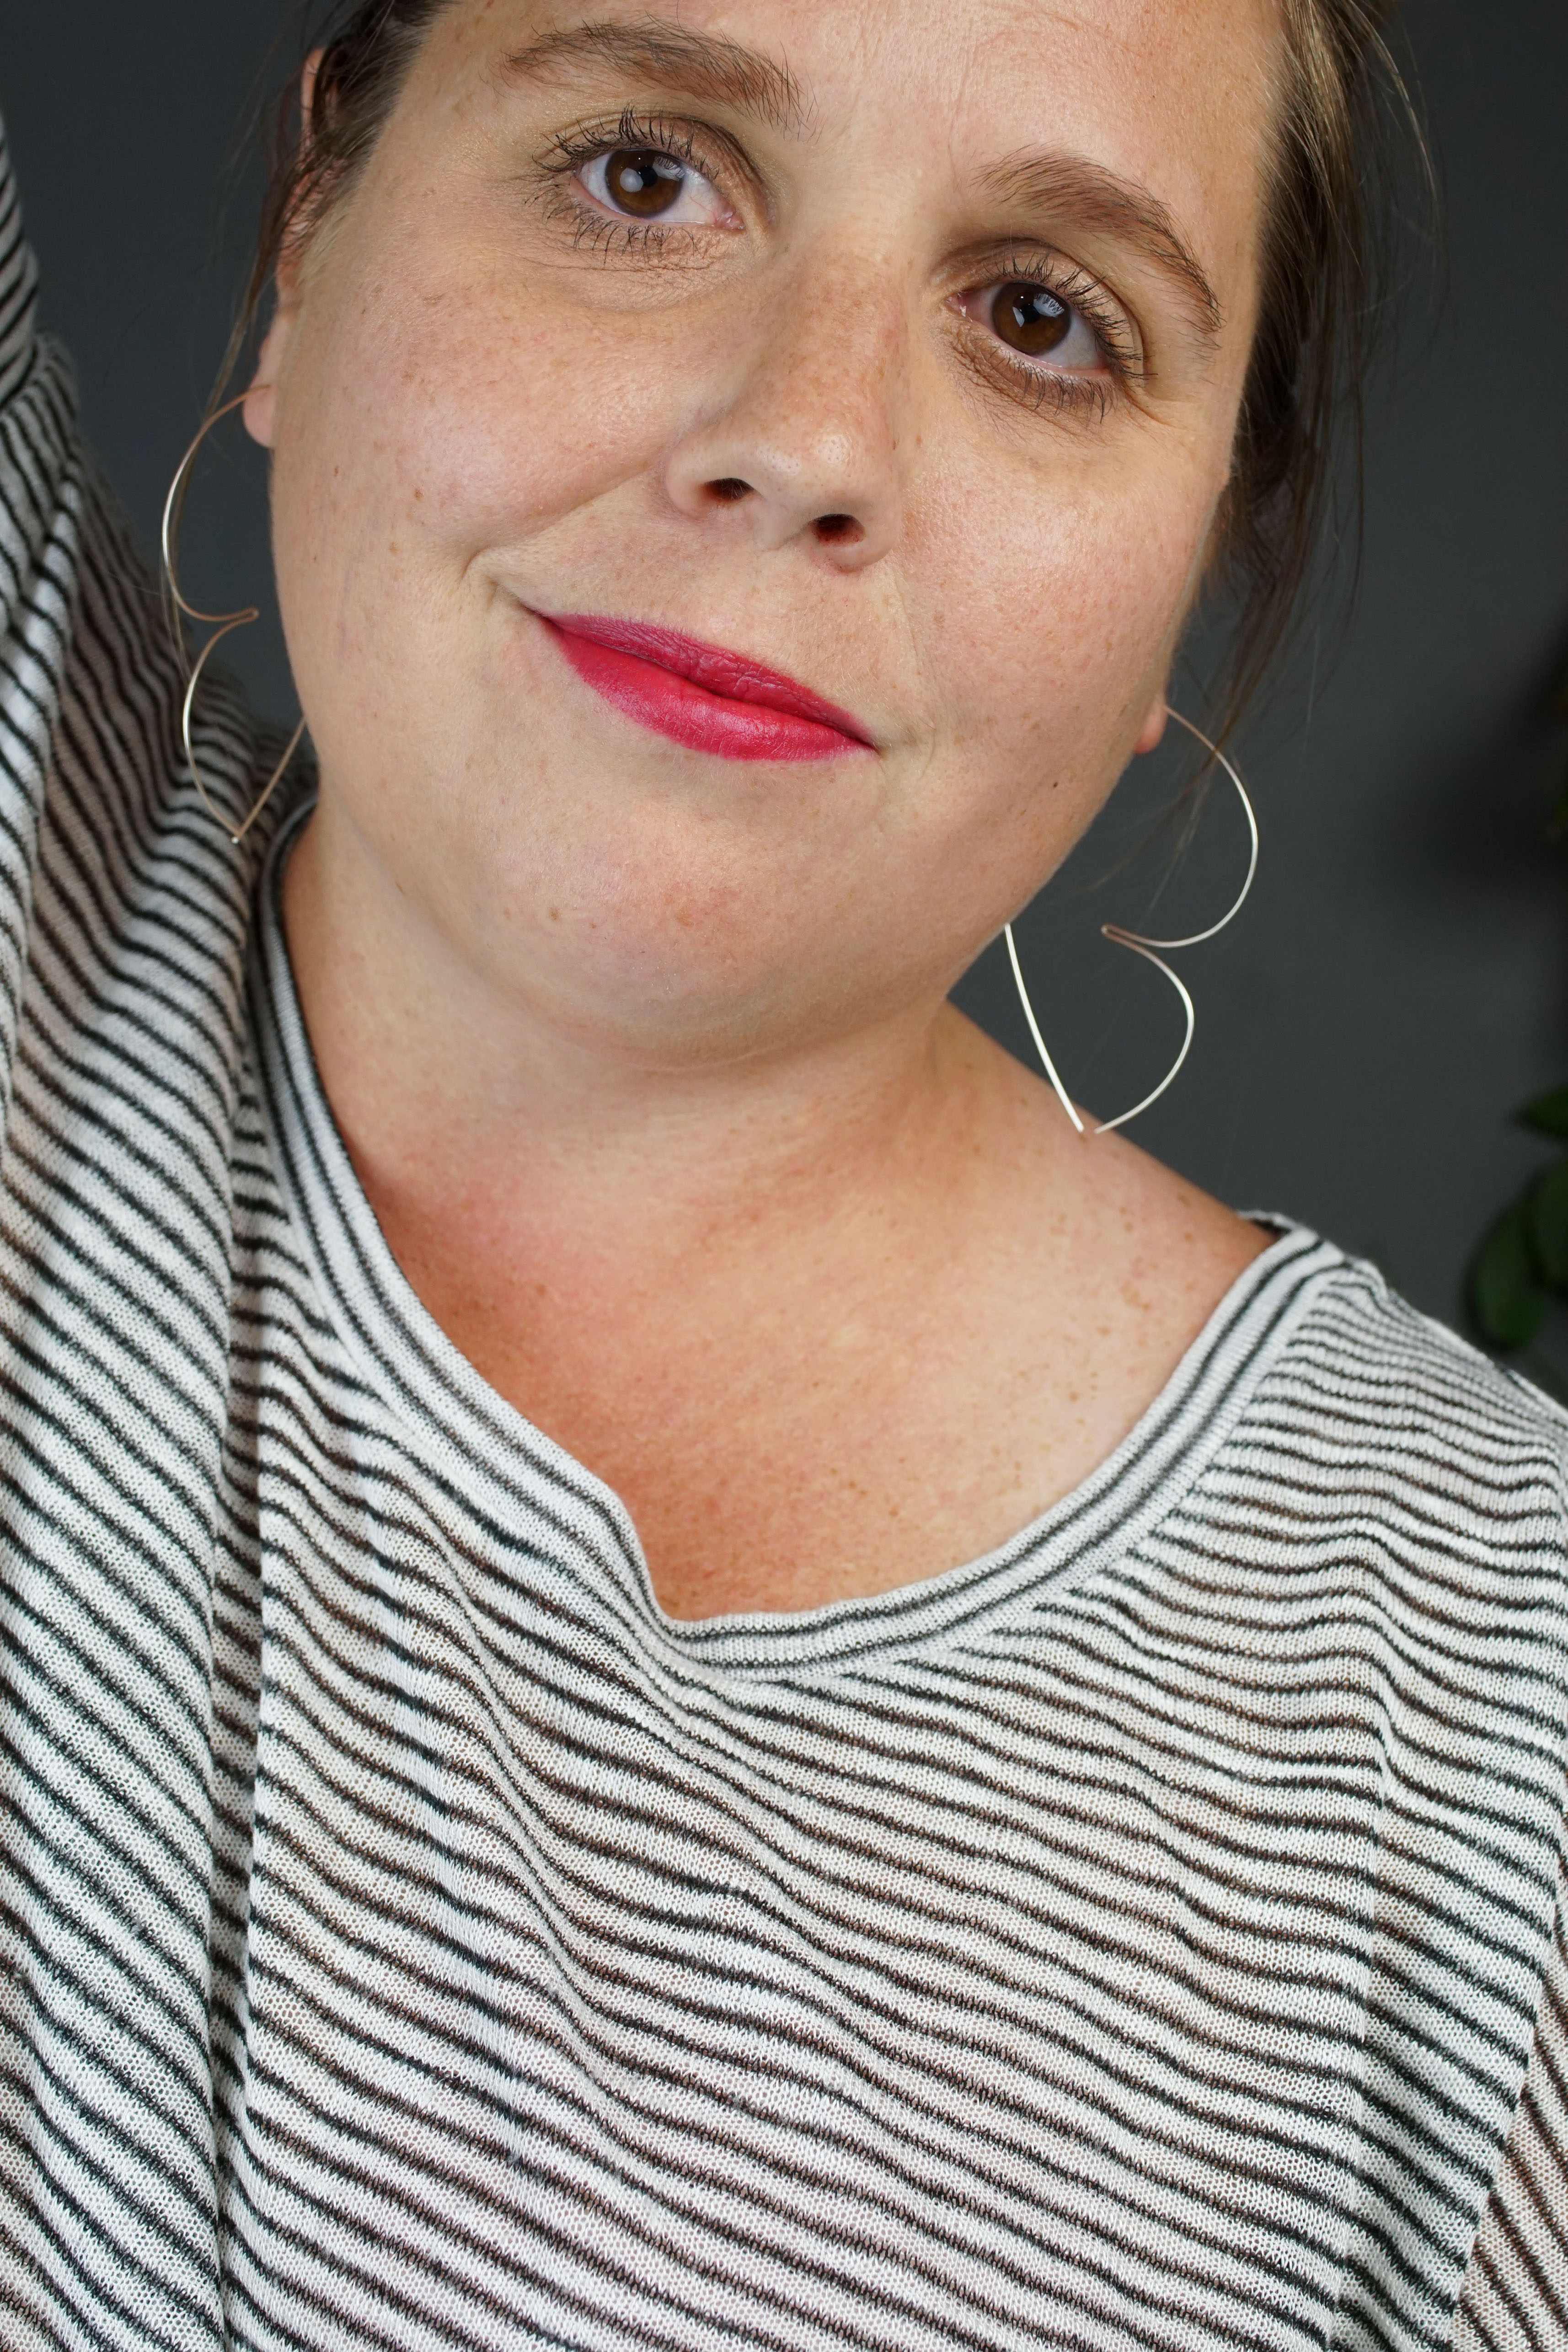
(801, 445)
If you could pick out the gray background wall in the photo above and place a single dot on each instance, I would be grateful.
(1399, 983)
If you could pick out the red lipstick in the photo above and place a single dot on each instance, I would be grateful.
(700, 696)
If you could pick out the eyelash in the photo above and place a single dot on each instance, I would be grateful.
(1043, 387)
(1059, 388)
(602, 231)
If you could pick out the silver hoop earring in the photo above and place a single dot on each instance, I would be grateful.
(222, 625)
(1147, 948)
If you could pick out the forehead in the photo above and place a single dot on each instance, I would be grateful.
(1191, 81)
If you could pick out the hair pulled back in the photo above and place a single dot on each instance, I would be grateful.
(1344, 117)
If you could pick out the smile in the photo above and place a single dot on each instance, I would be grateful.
(700, 696)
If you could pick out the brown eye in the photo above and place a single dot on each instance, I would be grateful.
(639, 180)
(1031, 318)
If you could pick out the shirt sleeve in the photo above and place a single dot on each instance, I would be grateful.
(1515, 2293)
(96, 804)
(40, 530)
(18, 286)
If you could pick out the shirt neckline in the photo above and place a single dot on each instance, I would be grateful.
(543, 1496)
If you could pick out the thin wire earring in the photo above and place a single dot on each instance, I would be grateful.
(222, 625)
(1147, 948)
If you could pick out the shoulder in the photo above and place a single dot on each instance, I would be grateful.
(1368, 1575)
(1377, 1453)
(1390, 1390)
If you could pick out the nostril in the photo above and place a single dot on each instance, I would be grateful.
(838, 531)
(729, 491)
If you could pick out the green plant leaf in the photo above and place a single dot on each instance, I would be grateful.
(1548, 1113)
(1546, 1217)
(1506, 1294)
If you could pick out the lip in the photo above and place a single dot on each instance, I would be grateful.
(702, 696)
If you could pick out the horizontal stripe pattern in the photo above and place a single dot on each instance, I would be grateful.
(1148, 1935)
(1516, 2288)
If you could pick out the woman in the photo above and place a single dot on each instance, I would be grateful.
(677, 1671)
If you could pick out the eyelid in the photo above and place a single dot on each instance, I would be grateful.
(715, 207)
(677, 135)
(1050, 364)
(1081, 394)
(1110, 319)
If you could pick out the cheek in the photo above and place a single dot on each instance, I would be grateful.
(462, 423)
(1061, 602)
(417, 435)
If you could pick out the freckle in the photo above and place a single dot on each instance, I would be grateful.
(555, 914)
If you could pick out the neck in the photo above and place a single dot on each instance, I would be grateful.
(826, 1317)
(463, 1101)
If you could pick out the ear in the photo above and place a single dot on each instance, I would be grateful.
(261, 400)
(1152, 734)
(260, 411)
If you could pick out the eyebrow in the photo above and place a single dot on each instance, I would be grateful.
(1096, 198)
(700, 64)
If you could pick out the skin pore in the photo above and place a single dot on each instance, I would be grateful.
(641, 1053)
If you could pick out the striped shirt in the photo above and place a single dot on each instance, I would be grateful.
(1150, 1934)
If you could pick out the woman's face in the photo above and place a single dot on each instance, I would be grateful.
(895, 346)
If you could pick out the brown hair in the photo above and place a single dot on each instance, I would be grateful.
(1346, 128)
